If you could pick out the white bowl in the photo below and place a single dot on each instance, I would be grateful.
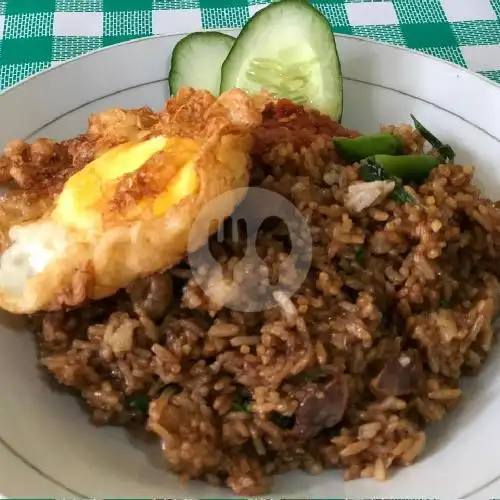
(47, 446)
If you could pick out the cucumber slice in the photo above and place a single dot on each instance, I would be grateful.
(197, 59)
(288, 49)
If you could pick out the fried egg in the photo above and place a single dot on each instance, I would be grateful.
(128, 213)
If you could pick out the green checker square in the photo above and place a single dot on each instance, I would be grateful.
(336, 13)
(28, 25)
(222, 4)
(67, 47)
(3, 7)
(390, 33)
(477, 32)
(137, 23)
(420, 36)
(452, 54)
(114, 39)
(25, 6)
(26, 50)
(126, 5)
(224, 18)
(343, 30)
(78, 5)
(492, 75)
(10, 74)
(419, 11)
(175, 4)
(496, 7)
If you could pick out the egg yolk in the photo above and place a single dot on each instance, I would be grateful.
(87, 193)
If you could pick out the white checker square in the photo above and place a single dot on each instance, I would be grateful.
(78, 23)
(253, 9)
(482, 57)
(2, 24)
(468, 10)
(371, 13)
(176, 21)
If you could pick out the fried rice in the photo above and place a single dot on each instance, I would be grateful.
(396, 308)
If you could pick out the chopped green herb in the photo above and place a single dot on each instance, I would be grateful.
(401, 195)
(172, 388)
(138, 402)
(310, 375)
(445, 151)
(359, 254)
(282, 421)
(332, 432)
(371, 171)
(241, 401)
(141, 402)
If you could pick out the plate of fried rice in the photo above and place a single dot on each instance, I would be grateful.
(374, 375)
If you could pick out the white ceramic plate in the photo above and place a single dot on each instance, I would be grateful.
(47, 447)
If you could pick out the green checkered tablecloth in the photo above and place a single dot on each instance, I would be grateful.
(37, 34)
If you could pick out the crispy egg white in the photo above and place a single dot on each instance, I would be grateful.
(33, 247)
(128, 213)
(78, 214)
